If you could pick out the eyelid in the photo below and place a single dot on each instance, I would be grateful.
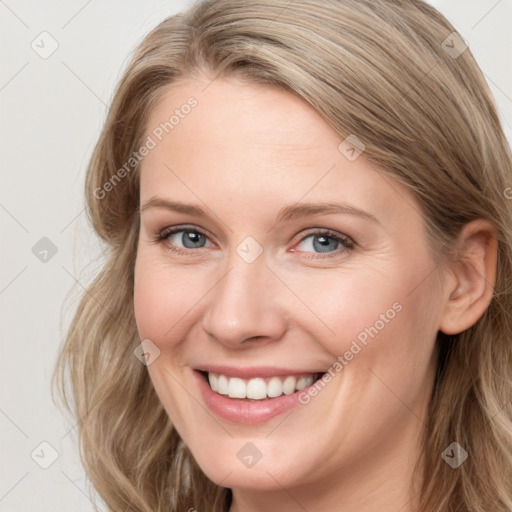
(327, 232)
(347, 242)
(163, 234)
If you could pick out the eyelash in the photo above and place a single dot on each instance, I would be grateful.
(346, 242)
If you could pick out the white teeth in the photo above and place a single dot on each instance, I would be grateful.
(222, 385)
(274, 387)
(304, 382)
(289, 385)
(214, 381)
(237, 388)
(258, 388)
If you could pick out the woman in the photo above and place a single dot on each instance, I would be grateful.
(307, 300)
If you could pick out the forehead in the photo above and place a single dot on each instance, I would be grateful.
(254, 115)
(254, 143)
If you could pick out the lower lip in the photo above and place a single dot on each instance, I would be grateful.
(243, 410)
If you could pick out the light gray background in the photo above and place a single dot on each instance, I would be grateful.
(51, 113)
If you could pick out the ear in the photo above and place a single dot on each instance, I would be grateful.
(472, 277)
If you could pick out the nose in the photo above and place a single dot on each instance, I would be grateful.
(244, 306)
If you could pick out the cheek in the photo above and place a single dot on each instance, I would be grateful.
(163, 296)
(344, 305)
(150, 299)
(377, 317)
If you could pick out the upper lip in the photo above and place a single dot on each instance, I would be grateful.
(253, 371)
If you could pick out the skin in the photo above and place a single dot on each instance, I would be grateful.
(242, 154)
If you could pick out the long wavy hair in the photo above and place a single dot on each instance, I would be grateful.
(396, 74)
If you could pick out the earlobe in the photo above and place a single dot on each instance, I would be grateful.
(474, 275)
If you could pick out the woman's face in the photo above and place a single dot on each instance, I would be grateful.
(291, 256)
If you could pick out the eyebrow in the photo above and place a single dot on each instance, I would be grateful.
(287, 213)
(299, 210)
(157, 202)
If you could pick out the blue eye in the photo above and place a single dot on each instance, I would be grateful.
(185, 238)
(320, 242)
(324, 242)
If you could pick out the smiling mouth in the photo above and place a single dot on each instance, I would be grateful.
(259, 388)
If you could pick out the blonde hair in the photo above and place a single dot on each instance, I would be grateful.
(378, 69)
